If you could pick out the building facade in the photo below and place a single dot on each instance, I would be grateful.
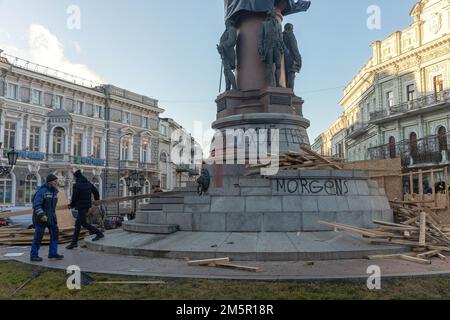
(58, 126)
(398, 105)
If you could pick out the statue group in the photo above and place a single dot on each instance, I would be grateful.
(272, 46)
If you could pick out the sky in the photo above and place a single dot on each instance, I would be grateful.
(167, 49)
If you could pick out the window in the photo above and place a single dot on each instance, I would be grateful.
(31, 184)
(6, 190)
(58, 102)
(97, 150)
(163, 130)
(438, 86)
(36, 97)
(411, 92)
(392, 147)
(35, 137)
(163, 182)
(9, 141)
(145, 122)
(77, 143)
(126, 118)
(442, 133)
(12, 91)
(79, 107)
(99, 112)
(390, 99)
(145, 153)
(58, 141)
(96, 181)
(413, 143)
(125, 150)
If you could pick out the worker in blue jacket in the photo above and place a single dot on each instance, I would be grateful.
(44, 216)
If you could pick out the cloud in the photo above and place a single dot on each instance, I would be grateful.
(44, 48)
(77, 47)
(5, 34)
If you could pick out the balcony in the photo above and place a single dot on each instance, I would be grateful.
(58, 158)
(413, 107)
(148, 166)
(128, 164)
(429, 151)
(356, 130)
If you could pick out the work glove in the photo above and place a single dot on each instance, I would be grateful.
(43, 219)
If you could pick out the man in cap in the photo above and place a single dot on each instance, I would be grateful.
(82, 202)
(44, 216)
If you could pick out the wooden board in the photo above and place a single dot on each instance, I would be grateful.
(208, 262)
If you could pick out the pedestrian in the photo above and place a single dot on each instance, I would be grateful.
(158, 189)
(82, 202)
(97, 215)
(44, 216)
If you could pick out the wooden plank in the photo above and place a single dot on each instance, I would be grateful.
(416, 173)
(388, 256)
(365, 232)
(442, 257)
(389, 224)
(414, 259)
(429, 254)
(237, 267)
(446, 186)
(318, 156)
(411, 183)
(208, 262)
(423, 224)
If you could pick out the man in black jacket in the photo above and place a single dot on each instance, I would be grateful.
(82, 202)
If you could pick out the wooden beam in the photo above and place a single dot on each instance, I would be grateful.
(208, 262)
(414, 259)
(237, 267)
(423, 224)
(318, 156)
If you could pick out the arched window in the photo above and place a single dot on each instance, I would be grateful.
(58, 141)
(413, 143)
(6, 190)
(442, 133)
(163, 157)
(124, 192)
(31, 184)
(392, 147)
(147, 190)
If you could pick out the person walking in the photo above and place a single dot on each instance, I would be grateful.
(44, 216)
(82, 202)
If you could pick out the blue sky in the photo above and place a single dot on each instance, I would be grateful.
(166, 49)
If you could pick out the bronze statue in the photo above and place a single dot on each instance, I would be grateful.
(292, 57)
(227, 52)
(203, 182)
(271, 47)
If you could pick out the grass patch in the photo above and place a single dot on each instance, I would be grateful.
(52, 285)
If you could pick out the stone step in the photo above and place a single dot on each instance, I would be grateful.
(167, 200)
(131, 226)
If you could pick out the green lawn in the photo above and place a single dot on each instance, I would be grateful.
(52, 285)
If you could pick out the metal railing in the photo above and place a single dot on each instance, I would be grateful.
(431, 149)
(50, 72)
(416, 104)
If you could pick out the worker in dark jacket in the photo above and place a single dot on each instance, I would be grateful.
(82, 202)
(44, 216)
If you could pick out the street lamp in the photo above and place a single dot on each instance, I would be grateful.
(12, 156)
(135, 183)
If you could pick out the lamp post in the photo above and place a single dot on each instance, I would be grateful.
(12, 156)
(135, 183)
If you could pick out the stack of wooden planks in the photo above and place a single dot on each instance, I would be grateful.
(310, 160)
(19, 236)
(416, 229)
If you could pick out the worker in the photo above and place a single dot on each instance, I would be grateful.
(44, 216)
(82, 202)
(158, 189)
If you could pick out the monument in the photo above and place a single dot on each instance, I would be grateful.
(267, 216)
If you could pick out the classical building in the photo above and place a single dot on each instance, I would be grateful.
(398, 103)
(59, 123)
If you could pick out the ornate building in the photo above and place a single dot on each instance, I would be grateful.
(398, 103)
(59, 123)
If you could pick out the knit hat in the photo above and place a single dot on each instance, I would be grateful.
(77, 174)
(51, 177)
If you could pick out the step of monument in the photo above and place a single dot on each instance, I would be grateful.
(135, 227)
(167, 200)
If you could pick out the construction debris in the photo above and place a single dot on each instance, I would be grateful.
(297, 161)
(222, 263)
(415, 228)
